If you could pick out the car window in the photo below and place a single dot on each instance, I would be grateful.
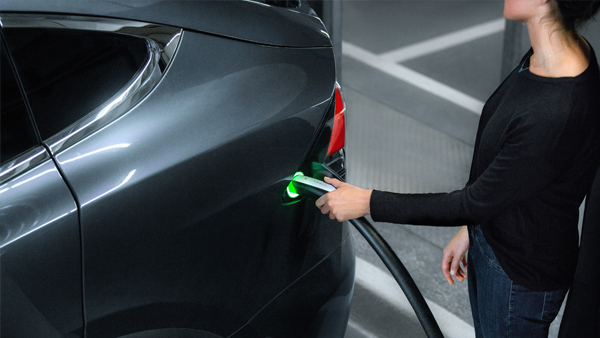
(17, 134)
(67, 73)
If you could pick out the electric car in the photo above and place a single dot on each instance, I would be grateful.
(146, 153)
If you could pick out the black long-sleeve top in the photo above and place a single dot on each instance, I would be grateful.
(537, 147)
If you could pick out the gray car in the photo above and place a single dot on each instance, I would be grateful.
(146, 152)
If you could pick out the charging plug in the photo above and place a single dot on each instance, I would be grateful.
(310, 187)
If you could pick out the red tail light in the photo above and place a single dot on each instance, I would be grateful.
(338, 135)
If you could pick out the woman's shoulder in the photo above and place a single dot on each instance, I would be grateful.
(578, 61)
(571, 63)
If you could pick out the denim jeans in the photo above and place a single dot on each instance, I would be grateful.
(500, 307)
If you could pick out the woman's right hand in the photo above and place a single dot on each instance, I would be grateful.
(454, 254)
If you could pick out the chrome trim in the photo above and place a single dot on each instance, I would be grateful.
(23, 163)
(169, 49)
(166, 37)
(162, 43)
(143, 82)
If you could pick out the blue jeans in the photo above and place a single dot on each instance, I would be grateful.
(500, 307)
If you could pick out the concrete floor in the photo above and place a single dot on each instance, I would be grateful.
(404, 137)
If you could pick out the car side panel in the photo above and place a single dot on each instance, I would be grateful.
(188, 191)
(40, 257)
(330, 285)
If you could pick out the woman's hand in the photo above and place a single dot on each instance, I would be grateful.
(454, 254)
(346, 202)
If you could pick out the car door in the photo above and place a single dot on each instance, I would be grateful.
(40, 251)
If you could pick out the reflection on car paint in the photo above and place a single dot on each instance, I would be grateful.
(131, 173)
(115, 146)
(22, 164)
(33, 178)
(23, 213)
(10, 237)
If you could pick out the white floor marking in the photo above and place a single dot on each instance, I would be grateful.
(444, 41)
(361, 330)
(384, 286)
(414, 78)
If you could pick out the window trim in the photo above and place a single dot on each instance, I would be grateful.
(162, 43)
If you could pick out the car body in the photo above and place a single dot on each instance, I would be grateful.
(146, 151)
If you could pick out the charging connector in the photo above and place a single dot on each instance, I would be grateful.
(310, 187)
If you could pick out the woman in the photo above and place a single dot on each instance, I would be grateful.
(536, 151)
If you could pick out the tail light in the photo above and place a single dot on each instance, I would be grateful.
(327, 156)
(334, 131)
(338, 135)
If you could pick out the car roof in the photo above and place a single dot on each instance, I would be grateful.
(240, 19)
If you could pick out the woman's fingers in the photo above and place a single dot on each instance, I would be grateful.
(451, 268)
(333, 181)
(446, 262)
(322, 204)
(456, 271)
(321, 201)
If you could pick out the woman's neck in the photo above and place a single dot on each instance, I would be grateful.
(556, 52)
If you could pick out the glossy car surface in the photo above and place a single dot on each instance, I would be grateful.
(145, 154)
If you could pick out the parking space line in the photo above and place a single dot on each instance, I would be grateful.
(444, 41)
(385, 287)
(358, 328)
(414, 78)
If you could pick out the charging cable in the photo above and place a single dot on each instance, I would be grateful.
(311, 187)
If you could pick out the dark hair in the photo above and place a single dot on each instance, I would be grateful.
(575, 13)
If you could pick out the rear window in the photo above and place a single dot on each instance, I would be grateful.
(68, 73)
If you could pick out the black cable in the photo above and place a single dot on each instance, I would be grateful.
(403, 278)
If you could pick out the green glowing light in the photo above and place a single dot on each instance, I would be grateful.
(291, 190)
